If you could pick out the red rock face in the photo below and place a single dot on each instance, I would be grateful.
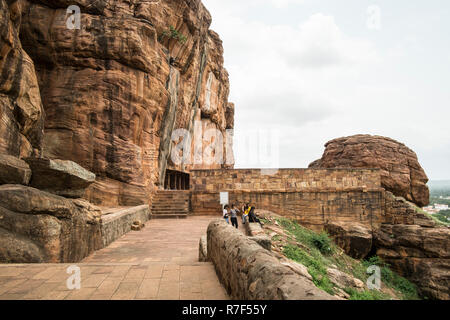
(115, 89)
(21, 112)
(401, 172)
(419, 253)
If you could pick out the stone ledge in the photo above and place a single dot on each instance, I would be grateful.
(14, 170)
(62, 177)
(116, 224)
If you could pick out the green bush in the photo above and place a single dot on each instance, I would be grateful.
(322, 242)
(173, 33)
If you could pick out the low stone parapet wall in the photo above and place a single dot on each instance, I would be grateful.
(116, 224)
(250, 272)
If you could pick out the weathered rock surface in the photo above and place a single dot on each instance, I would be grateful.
(137, 225)
(14, 248)
(344, 280)
(296, 267)
(32, 201)
(399, 211)
(354, 238)
(250, 272)
(13, 170)
(21, 111)
(420, 254)
(115, 90)
(63, 177)
(401, 172)
(48, 227)
(203, 249)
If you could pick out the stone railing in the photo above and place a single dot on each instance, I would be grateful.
(250, 272)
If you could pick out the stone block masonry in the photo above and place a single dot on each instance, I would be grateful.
(311, 197)
(250, 272)
(286, 180)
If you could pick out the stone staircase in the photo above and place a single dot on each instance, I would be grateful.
(170, 204)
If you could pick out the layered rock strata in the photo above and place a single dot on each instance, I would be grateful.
(354, 238)
(36, 226)
(93, 102)
(407, 238)
(421, 254)
(116, 89)
(21, 110)
(399, 167)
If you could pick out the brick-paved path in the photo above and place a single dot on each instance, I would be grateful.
(159, 262)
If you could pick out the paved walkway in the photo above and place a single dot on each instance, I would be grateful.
(159, 262)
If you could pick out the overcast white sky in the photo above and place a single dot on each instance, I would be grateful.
(313, 70)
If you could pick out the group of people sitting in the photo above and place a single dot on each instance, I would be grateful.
(231, 213)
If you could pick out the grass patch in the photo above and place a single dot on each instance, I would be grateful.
(392, 280)
(316, 267)
(320, 241)
(438, 221)
(276, 238)
(366, 294)
(317, 252)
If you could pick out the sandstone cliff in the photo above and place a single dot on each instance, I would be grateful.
(407, 238)
(114, 90)
(89, 112)
(21, 111)
(401, 172)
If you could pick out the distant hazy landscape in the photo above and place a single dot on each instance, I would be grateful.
(440, 194)
(439, 188)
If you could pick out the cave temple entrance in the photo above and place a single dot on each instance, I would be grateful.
(176, 180)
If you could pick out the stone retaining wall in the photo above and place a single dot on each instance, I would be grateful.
(249, 272)
(311, 209)
(115, 225)
(311, 197)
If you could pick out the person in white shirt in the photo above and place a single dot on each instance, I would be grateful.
(226, 214)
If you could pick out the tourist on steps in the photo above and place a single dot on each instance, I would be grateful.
(234, 220)
(225, 213)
